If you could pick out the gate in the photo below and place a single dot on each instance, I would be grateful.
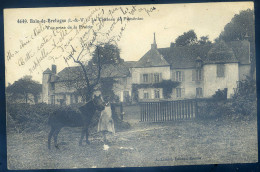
(168, 110)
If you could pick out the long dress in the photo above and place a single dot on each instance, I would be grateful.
(106, 122)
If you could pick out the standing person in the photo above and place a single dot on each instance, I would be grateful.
(106, 122)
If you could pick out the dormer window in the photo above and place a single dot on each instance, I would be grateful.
(198, 62)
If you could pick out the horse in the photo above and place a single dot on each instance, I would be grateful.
(67, 117)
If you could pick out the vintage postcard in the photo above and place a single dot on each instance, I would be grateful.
(130, 86)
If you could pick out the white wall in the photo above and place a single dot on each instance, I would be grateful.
(188, 85)
(212, 83)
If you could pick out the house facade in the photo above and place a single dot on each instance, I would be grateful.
(64, 88)
(198, 70)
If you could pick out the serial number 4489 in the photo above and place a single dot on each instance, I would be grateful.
(22, 21)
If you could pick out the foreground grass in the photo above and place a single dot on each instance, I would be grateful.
(145, 144)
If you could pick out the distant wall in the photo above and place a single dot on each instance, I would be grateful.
(45, 88)
(244, 70)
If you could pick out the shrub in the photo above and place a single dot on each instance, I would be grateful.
(244, 100)
(29, 118)
(25, 117)
(242, 105)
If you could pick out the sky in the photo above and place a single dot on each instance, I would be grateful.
(28, 48)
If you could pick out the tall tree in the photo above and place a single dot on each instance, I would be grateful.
(187, 38)
(104, 54)
(241, 27)
(22, 89)
(204, 40)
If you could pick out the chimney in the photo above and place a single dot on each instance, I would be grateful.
(54, 69)
(154, 45)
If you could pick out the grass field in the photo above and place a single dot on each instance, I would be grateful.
(144, 144)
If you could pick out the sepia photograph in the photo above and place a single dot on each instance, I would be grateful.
(130, 85)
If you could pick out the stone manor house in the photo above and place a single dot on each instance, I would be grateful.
(200, 70)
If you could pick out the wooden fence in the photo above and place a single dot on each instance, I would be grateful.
(168, 110)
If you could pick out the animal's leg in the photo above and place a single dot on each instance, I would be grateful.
(56, 137)
(104, 137)
(49, 137)
(87, 141)
(82, 135)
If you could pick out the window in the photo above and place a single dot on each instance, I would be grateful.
(220, 70)
(198, 75)
(156, 78)
(71, 99)
(179, 92)
(52, 99)
(76, 99)
(52, 86)
(198, 92)
(199, 64)
(124, 81)
(126, 97)
(156, 94)
(178, 75)
(145, 78)
(146, 95)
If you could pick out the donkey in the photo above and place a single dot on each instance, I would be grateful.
(73, 118)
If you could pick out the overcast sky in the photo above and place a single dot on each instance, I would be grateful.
(167, 21)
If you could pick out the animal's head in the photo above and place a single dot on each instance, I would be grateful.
(99, 102)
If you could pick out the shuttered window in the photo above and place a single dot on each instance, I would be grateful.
(220, 70)
(151, 78)
(145, 78)
(193, 75)
(178, 76)
(197, 75)
(198, 92)
(146, 95)
(157, 94)
(156, 78)
(180, 92)
(52, 99)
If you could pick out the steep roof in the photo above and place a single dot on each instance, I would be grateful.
(152, 58)
(70, 73)
(185, 56)
(47, 71)
(118, 70)
(76, 73)
(130, 63)
(221, 53)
